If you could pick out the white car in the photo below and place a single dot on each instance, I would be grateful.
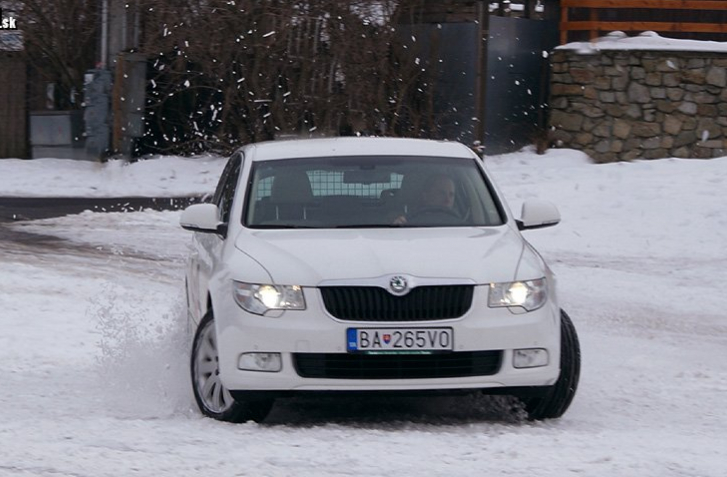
(375, 265)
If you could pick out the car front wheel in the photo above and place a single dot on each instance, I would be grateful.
(560, 395)
(213, 398)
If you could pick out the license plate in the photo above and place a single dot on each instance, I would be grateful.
(399, 340)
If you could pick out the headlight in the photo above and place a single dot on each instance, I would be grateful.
(529, 294)
(259, 298)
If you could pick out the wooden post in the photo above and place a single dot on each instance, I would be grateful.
(483, 14)
(593, 34)
(117, 111)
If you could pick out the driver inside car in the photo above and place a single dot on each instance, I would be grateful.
(437, 193)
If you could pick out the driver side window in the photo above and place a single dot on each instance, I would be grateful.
(225, 192)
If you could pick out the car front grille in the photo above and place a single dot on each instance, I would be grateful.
(397, 366)
(425, 303)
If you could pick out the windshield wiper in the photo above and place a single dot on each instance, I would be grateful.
(347, 226)
(367, 226)
(281, 226)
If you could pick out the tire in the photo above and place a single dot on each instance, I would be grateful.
(213, 399)
(560, 395)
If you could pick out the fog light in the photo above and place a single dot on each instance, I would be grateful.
(268, 362)
(530, 358)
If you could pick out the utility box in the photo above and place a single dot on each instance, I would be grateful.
(57, 134)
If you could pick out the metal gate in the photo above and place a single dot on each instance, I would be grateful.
(491, 78)
(516, 86)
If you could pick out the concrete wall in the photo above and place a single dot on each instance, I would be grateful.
(618, 105)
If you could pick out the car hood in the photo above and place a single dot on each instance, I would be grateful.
(309, 257)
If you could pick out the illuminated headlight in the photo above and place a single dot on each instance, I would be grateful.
(529, 294)
(259, 298)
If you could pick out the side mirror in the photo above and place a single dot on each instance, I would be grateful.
(202, 218)
(537, 214)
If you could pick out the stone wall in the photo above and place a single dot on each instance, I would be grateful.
(619, 105)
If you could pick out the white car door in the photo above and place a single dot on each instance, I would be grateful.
(208, 247)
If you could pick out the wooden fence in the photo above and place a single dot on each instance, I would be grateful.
(700, 19)
(13, 114)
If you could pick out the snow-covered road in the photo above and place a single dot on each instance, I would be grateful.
(93, 374)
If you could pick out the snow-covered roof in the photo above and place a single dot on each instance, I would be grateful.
(648, 40)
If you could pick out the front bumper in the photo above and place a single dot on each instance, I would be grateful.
(314, 330)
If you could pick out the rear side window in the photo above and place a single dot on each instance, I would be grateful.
(334, 183)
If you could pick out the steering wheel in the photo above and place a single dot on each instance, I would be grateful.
(432, 213)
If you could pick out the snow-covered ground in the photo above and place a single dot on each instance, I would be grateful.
(166, 176)
(93, 374)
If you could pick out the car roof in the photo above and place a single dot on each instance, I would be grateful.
(355, 146)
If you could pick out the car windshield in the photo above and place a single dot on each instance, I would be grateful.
(369, 191)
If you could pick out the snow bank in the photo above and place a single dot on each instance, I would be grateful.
(160, 177)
